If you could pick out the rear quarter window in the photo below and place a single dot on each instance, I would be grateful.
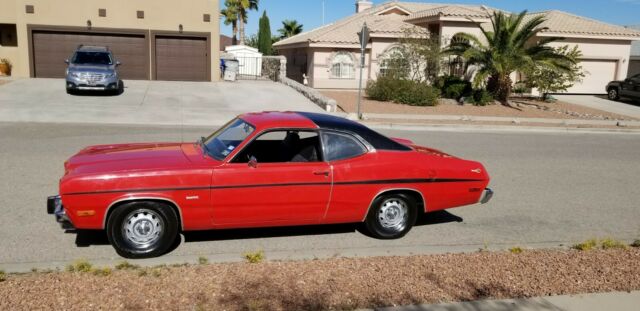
(338, 146)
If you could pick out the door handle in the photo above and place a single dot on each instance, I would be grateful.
(325, 173)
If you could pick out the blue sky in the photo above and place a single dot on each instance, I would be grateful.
(309, 12)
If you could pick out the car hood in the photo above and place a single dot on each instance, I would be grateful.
(127, 157)
(92, 68)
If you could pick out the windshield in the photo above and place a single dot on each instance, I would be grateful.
(92, 58)
(222, 142)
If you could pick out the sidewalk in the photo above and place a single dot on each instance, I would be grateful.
(614, 301)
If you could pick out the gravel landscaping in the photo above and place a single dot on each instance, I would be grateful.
(339, 283)
(347, 101)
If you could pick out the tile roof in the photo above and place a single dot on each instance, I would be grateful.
(345, 31)
(566, 23)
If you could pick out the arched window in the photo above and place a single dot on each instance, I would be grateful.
(343, 66)
(394, 62)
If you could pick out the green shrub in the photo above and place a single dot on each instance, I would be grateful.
(3, 276)
(611, 243)
(203, 260)
(635, 243)
(586, 245)
(101, 272)
(125, 265)
(385, 88)
(80, 266)
(402, 91)
(480, 97)
(255, 257)
(453, 87)
(418, 94)
(516, 250)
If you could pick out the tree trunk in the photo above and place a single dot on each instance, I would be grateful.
(234, 40)
(241, 31)
(500, 87)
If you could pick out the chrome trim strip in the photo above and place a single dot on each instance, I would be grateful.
(104, 221)
(487, 194)
(394, 189)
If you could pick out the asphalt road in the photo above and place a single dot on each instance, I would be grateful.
(551, 189)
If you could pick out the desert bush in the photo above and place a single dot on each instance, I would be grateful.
(516, 250)
(402, 91)
(611, 243)
(635, 243)
(80, 266)
(125, 265)
(3, 276)
(254, 257)
(101, 271)
(203, 260)
(480, 97)
(418, 94)
(453, 87)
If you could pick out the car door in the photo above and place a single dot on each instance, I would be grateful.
(279, 178)
(630, 87)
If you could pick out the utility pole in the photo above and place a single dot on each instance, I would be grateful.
(363, 36)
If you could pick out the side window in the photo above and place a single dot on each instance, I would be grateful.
(341, 146)
(281, 147)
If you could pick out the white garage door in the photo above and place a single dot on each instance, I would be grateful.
(597, 74)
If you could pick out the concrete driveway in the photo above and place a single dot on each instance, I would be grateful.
(601, 103)
(147, 102)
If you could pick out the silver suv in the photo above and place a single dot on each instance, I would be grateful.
(93, 68)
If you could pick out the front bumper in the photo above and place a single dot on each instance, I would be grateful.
(487, 194)
(103, 84)
(55, 207)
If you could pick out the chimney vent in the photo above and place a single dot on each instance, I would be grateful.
(362, 5)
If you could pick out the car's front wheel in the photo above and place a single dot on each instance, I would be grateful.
(142, 229)
(613, 94)
(391, 216)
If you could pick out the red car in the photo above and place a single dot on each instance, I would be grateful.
(261, 170)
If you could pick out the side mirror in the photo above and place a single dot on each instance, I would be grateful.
(66, 61)
(118, 64)
(253, 162)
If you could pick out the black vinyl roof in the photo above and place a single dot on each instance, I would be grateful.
(374, 138)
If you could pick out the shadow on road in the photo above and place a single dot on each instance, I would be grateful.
(86, 238)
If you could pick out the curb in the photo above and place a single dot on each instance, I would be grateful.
(493, 128)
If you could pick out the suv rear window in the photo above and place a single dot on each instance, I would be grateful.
(94, 58)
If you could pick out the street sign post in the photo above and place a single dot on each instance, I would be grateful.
(363, 36)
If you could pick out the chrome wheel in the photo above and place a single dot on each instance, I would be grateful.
(142, 228)
(393, 214)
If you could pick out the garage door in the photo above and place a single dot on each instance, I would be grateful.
(50, 49)
(182, 59)
(597, 74)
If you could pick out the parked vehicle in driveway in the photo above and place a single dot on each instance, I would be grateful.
(261, 170)
(629, 88)
(92, 68)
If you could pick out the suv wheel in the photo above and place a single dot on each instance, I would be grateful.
(613, 94)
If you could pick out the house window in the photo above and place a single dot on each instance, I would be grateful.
(8, 35)
(392, 62)
(343, 66)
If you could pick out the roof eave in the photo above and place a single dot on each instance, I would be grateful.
(588, 36)
(444, 18)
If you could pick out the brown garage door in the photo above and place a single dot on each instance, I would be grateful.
(182, 59)
(51, 48)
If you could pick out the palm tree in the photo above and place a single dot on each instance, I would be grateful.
(230, 15)
(290, 28)
(510, 47)
(243, 7)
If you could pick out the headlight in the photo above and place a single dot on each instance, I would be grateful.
(111, 75)
(75, 74)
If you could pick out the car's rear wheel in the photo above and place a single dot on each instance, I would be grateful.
(142, 229)
(391, 216)
(613, 94)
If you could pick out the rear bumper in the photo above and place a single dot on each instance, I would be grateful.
(55, 207)
(487, 194)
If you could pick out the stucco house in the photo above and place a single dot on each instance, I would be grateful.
(153, 39)
(329, 55)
